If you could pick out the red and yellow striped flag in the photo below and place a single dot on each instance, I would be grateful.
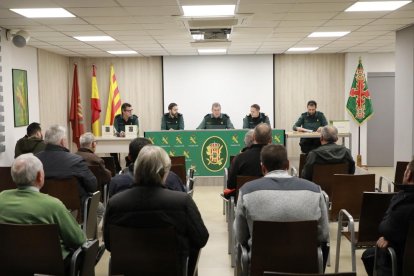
(95, 105)
(114, 99)
(75, 116)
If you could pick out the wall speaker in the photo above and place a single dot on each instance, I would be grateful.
(21, 38)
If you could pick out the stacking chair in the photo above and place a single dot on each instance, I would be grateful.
(408, 257)
(35, 249)
(102, 185)
(179, 169)
(110, 164)
(372, 210)
(323, 175)
(145, 251)
(90, 223)
(398, 177)
(302, 161)
(241, 180)
(6, 181)
(177, 160)
(282, 246)
(190, 182)
(67, 191)
(347, 193)
(225, 201)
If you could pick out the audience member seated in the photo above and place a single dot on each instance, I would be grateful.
(248, 162)
(248, 139)
(32, 142)
(279, 197)
(149, 204)
(328, 153)
(393, 228)
(87, 151)
(26, 205)
(58, 162)
(126, 179)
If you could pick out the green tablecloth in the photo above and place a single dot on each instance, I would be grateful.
(207, 151)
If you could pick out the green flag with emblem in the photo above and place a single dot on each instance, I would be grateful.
(359, 103)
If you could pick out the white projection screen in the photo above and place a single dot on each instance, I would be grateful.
(235, 81)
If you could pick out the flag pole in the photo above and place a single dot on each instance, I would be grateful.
(359, 157)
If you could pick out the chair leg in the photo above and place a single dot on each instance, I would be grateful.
(338, 244)
(353, 249)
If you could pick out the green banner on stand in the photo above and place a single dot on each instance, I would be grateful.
(206, 151)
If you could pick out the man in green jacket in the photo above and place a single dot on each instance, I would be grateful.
(26, 205)
(31, 142)
(310, 121)
(172, 120)
(328, 153)
(216, 119)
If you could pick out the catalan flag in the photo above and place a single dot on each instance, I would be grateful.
(95, 105)
(114, 99)
(75, 116)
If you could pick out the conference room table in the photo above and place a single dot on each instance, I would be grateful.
(299, 134)
(113, 144)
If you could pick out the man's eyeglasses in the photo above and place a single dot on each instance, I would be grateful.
(128, 110)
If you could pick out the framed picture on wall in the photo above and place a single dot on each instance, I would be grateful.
(20, 98)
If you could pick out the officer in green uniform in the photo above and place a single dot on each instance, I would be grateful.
(172, 120)
(216, 119)
(120, 121)
(310, 121)
(255, 117)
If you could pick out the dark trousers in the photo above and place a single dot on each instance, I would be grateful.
(383, 262)
(308, 144)
(115, 155)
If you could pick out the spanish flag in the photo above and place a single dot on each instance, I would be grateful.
(75, 116)
(95, 105)
(114, 99)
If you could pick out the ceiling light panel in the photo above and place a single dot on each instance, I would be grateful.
(125, 52)
(212, 51)
(209, 10)
(43, 13)
(94, 38)
(377, 6)
(328, 34)
(302, 49)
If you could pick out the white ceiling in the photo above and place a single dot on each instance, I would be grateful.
(154, 27)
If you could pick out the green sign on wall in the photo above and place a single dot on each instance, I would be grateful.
(206, 151)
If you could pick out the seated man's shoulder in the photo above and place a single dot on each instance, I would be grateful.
(208, 115)
(225, 115)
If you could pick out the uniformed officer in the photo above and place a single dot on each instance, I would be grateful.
(216, 119)
(120, 121)
(310, 121)
(255, 117)
(172, 120)
(126, 118)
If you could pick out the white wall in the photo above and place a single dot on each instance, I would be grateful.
(384, 62)
(25, 59)
(236, 82)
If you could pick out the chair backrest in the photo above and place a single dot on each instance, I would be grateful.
(67, 191)
(6, 181)
(144, 251)
(177, 160)
(373, 209)
(30, 249)
(98, 173)
(284, 246)
(190, 182)
(408, 265)
(179, 170)
(90, 223)
(241, 180)
(110, 164)
(323, 174)
(399, 174)
(301, 274)
(347, 193)
(302, 161)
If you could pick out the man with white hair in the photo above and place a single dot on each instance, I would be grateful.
(148, 204)
(328, 153)
(87, 151)
(58, 162)
(26, 205)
